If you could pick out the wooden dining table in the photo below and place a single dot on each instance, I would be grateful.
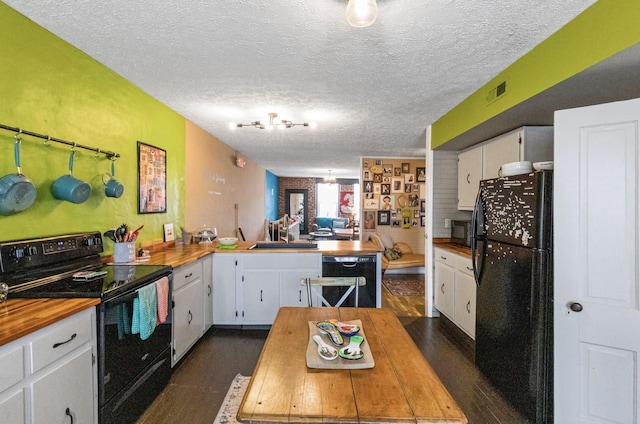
(400, 388)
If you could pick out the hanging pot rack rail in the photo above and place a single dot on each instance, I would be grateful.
(109, 154)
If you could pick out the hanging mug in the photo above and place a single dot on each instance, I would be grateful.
(112, 187)
(70, 188)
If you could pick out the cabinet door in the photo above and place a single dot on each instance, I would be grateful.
(12, 408)
(444, 283)
(260, 296)
(292, 293)
(469, 176)
(187, 318)
(465, 303)
(224, 289)
(500, 150)
(207, 296)
(67, 391)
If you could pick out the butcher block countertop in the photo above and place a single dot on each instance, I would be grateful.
(19, 317)
(452, 247)
(182, 254)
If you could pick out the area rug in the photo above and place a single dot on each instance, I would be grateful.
(231, 403)
(404, 286)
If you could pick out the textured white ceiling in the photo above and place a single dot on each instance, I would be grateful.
(372, 91)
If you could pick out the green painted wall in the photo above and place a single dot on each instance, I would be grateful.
(604, 29)
(49, 87)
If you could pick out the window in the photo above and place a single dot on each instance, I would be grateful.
(327, 200)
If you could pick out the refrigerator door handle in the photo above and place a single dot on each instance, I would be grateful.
(477, 267)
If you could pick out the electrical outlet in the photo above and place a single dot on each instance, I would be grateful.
(447, 223)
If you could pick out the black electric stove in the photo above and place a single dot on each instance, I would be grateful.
(131, 371)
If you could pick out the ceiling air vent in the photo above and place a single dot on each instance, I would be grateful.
(496, 92)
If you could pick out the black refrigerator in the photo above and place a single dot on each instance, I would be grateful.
(512, 261)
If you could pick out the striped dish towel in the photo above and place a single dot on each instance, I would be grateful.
(162, 288)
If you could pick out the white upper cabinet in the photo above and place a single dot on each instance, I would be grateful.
(484, 160)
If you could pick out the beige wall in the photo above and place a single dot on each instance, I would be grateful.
(215, 185)
(413, 236)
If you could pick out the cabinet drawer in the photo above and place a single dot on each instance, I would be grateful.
(61, 338)
(186, 274)
(464, 265)
(445, 257)
(279, 261)
(14, 372)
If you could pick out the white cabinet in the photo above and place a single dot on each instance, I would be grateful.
(207, 285)
(469, 176)
(484, 160)
(249, 288)
(50, 375)
(455, 289)
(188, 309)
(465, 296)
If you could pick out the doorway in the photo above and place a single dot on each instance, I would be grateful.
(296, 207)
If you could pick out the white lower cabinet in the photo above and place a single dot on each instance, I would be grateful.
(455, 289)
(249, 288)
(188, 309)
(51, 376)
(207, 286)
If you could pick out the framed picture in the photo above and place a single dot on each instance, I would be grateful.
(366, 175)
(416, 213)
(377, 178)
(422, 206)
(376, 188)
(423, 221)
(387, 202)
(365, 164)
(386, 189)
(416, 187)
(395, 222)
(413, 200)
(396, 185)
(384, 217)
(152, 179)
(421, 175)
(377, 162)
(397, 172)
(387, 169)
(371, 203)
(369, 220)
(169, 235)
(409, 178)
(405, 167)
(367, 187)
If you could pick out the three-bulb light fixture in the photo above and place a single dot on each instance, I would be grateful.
(361, 13)
(272, 123)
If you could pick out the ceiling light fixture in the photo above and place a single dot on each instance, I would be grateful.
(283, 123)
(329, 179)
(361, 13)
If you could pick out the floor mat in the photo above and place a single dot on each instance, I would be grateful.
(403, 286)
(231, 403)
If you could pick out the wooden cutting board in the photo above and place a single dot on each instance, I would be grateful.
(315, 361)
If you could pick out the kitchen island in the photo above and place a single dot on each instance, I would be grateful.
(400, 388)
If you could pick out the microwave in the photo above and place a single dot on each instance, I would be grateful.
(461, 232)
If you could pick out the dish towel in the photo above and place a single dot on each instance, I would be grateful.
(162, 287)
(122, 318)
(145, 308)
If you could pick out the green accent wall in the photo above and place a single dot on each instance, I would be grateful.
(50, 87)
(604, 29)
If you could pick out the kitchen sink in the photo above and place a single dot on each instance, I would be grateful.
(278, 245)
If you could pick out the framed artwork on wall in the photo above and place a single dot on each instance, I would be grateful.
(152, 179)
(384, 217)
(421, 175)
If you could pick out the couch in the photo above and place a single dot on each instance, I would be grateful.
(396, 255)
(329, 224)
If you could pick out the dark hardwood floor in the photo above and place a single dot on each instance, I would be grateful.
(200, 382)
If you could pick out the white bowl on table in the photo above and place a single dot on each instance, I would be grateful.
(228, 241)
(515, 168)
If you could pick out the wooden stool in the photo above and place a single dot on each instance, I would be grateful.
(314, 283)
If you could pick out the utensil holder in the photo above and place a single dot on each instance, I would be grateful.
(186, 237)
(124, 252)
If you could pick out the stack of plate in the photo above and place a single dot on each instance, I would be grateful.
(515, 168)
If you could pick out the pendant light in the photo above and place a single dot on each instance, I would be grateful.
(361, 13)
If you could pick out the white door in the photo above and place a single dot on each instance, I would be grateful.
(596, 237)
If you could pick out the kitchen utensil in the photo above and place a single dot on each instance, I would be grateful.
(325, 351)
(134, 234)
(111, 234)
(228, 241)
(70, 188)
(352, 350)
(515, 168)
(17, 191)
(124, 252)
(113, 188)
(546, 165)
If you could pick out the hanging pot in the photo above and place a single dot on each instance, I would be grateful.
(17, 191)
(112, 187)
(70, 188)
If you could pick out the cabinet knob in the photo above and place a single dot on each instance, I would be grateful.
(575, 307)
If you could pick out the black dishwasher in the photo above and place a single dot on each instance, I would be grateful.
(351, 266)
